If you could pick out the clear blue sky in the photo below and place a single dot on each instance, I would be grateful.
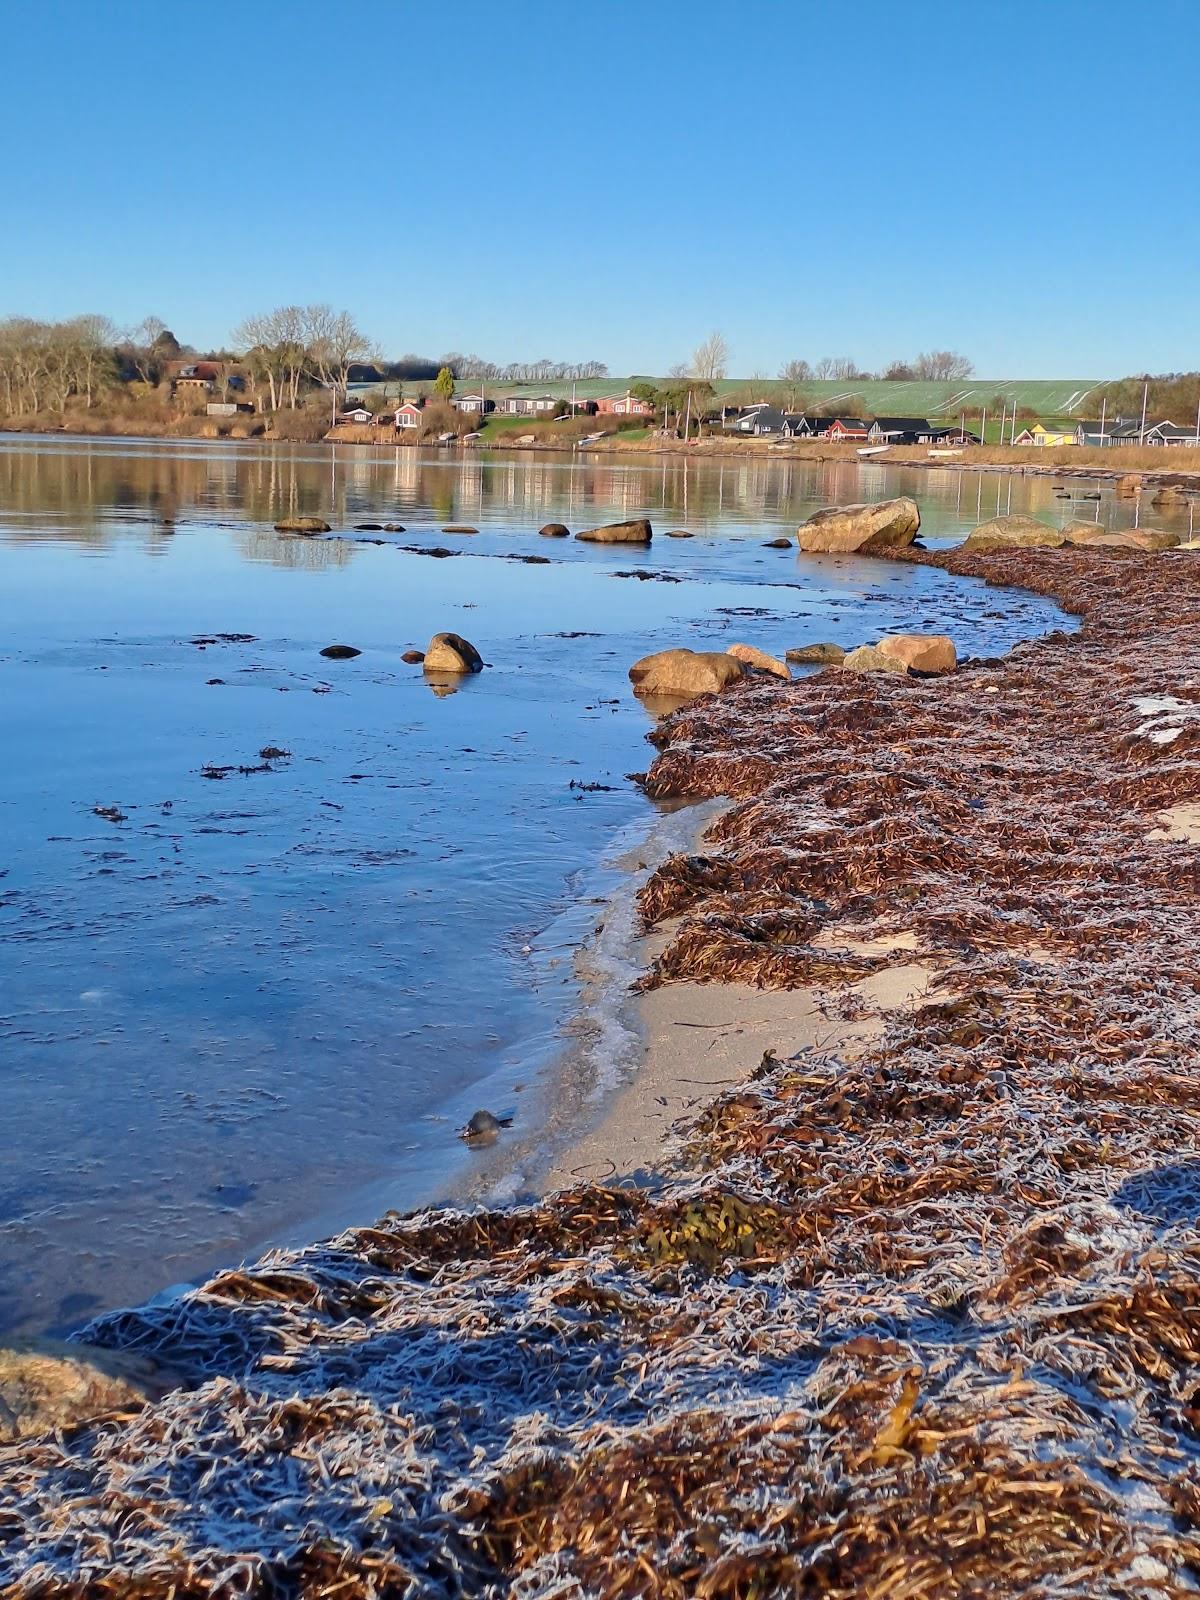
(612, 180)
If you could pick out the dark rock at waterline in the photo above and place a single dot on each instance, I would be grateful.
(109, 813)
(393, 527)
(777, 544)
(413, 656)
(484, 1125)
(47, 1385)
(555, 530)
(459, 527)
(636, 531)
(645, 576)
(340, 652)
(369, 527)
(680, 533)
(302, 525)
(530, 561)
(437, 551)
(272, 752)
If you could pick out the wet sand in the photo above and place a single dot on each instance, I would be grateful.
(703, 1038)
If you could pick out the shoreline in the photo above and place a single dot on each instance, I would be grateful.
(921, 1299)
(1153, 466)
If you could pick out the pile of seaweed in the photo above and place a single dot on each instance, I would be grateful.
(918, 1316)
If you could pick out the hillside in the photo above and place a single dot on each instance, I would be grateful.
(1049, 397)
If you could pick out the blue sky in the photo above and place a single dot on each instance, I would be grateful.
(613, 180)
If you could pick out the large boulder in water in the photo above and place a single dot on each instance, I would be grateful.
(685, 672)
(922, 652)
(636, 531)
(555, 530)
(887, 525)
(450, 652)
(46, 1384)
(1013, 533)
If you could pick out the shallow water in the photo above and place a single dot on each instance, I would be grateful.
(262, 995)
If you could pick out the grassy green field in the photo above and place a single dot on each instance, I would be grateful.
(1048, 397)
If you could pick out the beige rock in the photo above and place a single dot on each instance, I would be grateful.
(923, 652)
(46, 1384)
(754, 657)
(450, 652)
(685, 672)
(818, 654)
(1012, 533)
(555, 530)
(1138, 539)
(680, 533)
(1167, 495)
(636, 531)
(302, 525)
(1129, 485)
(870, 658)
(1080, 532)
(459, 527)
(887, 525)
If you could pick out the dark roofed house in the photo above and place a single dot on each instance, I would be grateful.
(1170, 433)
(898, 430)
(760, 418)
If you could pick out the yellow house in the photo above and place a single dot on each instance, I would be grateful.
(1048, 434)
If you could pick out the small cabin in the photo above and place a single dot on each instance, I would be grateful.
(358, 414)
(408, 415)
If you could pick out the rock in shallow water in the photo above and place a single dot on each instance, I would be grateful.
(887, 525)
(302, 525)
(450, 652)
(635, 531)
(340, 652)
(555, 530)
(685, 672)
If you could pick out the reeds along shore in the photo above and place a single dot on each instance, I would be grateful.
(919, 1321)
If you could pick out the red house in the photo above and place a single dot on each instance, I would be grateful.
(624, 405)
(408, 415)
(846, 428)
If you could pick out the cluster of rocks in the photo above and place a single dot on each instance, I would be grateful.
(683, 674)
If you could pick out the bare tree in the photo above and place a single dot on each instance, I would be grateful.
(824, 367)
(334, 343)
(710, 359)
(942, 365)
(795, 372)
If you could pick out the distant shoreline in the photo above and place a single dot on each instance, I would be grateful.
(1155, 465)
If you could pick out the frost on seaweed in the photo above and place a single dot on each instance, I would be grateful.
(915, 1316)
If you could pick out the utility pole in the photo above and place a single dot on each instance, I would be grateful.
(1145, 398)
(983, 427)
(1103, 413)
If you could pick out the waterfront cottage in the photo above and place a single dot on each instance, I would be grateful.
(843, 428)
(625, 405)
(900, 430)
(408, 415)
(358, 414)
(476, 403)
(1170, 433)
(760, 418)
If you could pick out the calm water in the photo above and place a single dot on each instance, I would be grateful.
(262, 997)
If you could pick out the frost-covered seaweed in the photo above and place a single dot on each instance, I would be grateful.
(920, 1318)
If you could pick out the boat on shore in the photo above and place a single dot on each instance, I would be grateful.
(941, 453)
(872, 449)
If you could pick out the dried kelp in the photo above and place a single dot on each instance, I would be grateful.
(915, 1315)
